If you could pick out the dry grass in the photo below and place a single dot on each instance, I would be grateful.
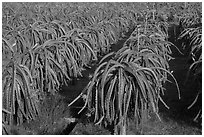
(153, 126)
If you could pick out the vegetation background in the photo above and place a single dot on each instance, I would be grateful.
(101, 68)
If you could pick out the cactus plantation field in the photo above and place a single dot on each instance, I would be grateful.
(101, 68)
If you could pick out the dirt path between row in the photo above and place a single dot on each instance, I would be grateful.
(178, 108)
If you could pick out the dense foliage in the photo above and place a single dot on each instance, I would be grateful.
(45, 45)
